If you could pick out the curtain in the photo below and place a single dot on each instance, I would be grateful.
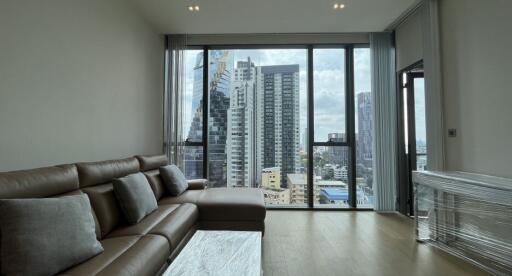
(433, 85)
(174, 98)
(385, 121)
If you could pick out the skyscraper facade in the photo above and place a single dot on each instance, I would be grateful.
(219, 79)
(193, 156)
(364, 126)
(278, 112)
(241, 147)
(337, 155)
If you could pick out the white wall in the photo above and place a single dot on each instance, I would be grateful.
(80, 80)
(409, 41)
(476, 55)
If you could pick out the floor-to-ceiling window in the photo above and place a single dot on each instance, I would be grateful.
(193, 114)
(330, 142)
(253, 116)
(363, 127)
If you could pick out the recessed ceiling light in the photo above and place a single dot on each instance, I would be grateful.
(338, 6)
(193, 8)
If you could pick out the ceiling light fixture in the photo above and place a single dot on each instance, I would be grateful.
(338, 6)
(193, 8)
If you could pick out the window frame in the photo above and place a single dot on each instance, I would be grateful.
(350, 141)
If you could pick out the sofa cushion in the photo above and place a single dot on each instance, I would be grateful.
(152, 162)
(128, 255)
(146, 224)
(36, 183)
(174, 180)
(135, 197)
(189, 196)
(105, 207)
(95, 173)
(177, 224)
(35, 232)
(170, 221)
(145, 258)
(156, 183)
(96, 223)
(227, 204)
(113, 248)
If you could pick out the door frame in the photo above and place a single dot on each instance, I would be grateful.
(406, 159)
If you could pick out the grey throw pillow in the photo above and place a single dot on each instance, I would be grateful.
(47, 235)
(135, 197)
(174, 180)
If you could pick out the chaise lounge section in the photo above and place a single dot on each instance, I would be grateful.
(219, 208)
(148, 246)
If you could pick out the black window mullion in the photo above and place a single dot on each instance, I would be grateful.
(350, 117)
(310, 178)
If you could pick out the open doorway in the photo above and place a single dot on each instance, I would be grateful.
(412, 132)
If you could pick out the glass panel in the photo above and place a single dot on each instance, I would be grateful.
(421, 129)
(329, 94)
(257, 117)
(193, 162)
(193, 105)
(363, 127)
(331, 176)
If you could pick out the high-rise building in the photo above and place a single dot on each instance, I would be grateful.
(219, 76)
(241, 146)
(278, 119)
(337, 155)
(193, 156)
(364, 126)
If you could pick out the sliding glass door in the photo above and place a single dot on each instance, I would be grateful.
(253, 117)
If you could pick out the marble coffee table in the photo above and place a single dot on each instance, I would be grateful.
(219, 253)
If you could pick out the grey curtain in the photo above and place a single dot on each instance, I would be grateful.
(433, 85)
(385, 120)
(173, 98)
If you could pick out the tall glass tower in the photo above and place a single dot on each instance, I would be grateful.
(219, 79)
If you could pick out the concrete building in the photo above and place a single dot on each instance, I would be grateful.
(278, 119)
(364, 129)
(271, 178)
(341, 173)
(241, 146)
(276, 197)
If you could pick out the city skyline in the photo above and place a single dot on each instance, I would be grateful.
(331, 78)
(256, 115)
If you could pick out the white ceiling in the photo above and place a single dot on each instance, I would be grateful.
(271, 16)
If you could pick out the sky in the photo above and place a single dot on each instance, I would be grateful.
(329, 82)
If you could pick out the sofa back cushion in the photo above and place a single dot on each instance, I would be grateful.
(96, 173)
(46, 236)
(106, 207)
(135, 197)
(37, 183)
(152, 162)
(174, 180)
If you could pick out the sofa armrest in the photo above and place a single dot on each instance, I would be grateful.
(197, 184)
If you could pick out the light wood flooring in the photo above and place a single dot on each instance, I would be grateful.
(351, 243)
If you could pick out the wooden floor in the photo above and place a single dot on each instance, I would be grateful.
(351, 243)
